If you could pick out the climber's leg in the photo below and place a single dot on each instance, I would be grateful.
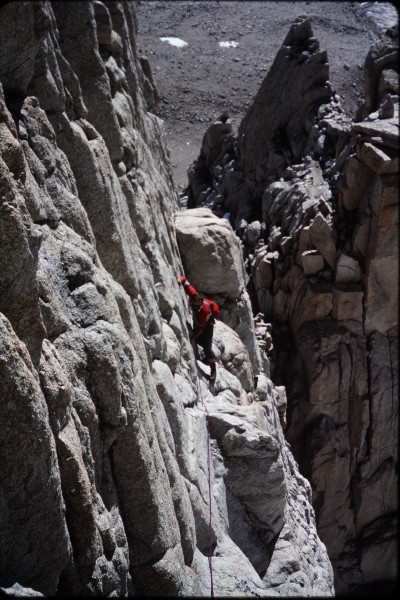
(206, 342)
(213, 368)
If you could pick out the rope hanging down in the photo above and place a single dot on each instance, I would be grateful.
(209, 472)
(209, 479)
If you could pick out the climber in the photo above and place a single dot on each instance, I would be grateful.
(204, 313)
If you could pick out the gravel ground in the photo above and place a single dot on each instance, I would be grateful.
(200, 80)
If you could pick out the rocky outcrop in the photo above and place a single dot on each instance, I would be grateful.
(119, 462)
(313, 196)
(271, 140)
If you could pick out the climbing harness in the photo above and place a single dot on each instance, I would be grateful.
(209, 476)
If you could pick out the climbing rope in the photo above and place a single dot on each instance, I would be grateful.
(209, 470)
(209, 477)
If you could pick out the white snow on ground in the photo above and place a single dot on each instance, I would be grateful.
(174, 41)
(178, 43)
(228, 44)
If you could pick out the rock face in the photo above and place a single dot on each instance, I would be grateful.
(314, 198)
(107, 472)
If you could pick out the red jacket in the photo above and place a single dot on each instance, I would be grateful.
(203, 315)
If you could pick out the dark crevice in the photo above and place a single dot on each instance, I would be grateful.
(14, 100)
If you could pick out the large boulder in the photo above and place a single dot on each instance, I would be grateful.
(211, 253)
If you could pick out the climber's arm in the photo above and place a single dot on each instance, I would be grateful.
(189, 289)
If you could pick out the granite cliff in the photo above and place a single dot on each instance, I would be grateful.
(123, 472)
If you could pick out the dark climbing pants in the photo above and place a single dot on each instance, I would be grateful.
(205, 341)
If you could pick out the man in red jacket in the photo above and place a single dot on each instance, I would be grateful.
(204, 314)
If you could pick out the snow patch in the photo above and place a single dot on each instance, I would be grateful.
(228, 44)
(174, 41)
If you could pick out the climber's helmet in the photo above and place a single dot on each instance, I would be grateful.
(196, 300)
